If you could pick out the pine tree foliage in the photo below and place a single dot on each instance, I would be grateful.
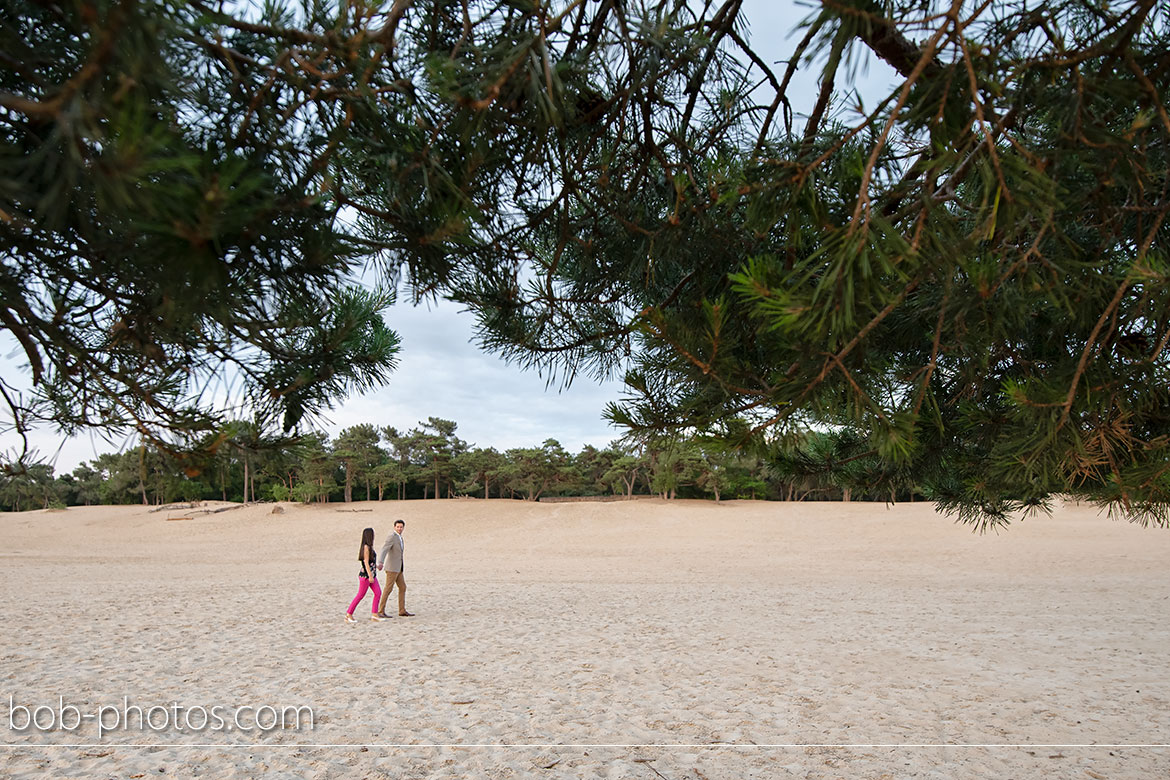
(164, 247)
(967, 274)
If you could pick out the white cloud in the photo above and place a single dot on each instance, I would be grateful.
(443, 374)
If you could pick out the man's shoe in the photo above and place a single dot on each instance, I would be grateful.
(383, 615)
(405, 614)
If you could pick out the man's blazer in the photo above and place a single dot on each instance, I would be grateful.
(391, 555)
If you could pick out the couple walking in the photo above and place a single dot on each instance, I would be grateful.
(390, 559)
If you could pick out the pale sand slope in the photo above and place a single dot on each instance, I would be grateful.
(634, 639)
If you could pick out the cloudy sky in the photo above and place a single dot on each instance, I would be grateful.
(443, 374)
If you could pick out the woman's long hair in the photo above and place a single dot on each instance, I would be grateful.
(367, 538)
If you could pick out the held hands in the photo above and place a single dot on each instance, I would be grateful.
(380, 566)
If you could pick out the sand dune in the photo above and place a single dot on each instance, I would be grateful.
(632, 639)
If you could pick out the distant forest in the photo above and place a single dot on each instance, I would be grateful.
(367, 462)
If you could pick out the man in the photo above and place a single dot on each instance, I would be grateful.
(391, 558)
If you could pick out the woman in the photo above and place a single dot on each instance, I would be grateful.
(367, 577)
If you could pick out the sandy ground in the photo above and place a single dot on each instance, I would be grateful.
(643, 639)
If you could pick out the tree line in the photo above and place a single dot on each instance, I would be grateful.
(382, 463)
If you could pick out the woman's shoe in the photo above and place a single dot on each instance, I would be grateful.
(349, 618)
(376, 617)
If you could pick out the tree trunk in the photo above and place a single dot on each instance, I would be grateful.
(348, 483)
(486, 483)
(845, 494)
(716, 495)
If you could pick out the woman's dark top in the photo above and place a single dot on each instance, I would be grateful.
(373, 565)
